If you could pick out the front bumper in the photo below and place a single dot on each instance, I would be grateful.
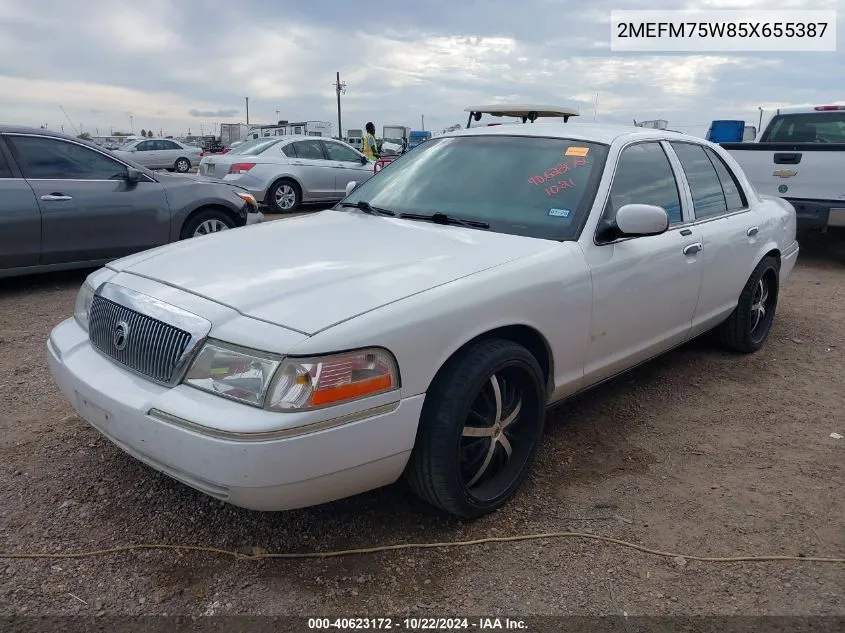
(172, 430)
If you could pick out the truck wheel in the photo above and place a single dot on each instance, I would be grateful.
(748, 326)
(284, 196)
(479, 430)
(207, 222)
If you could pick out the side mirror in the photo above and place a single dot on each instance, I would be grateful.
(642, 219)
(364, 160)
(133, 175)
(350, 186)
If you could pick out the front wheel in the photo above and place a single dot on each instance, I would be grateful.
(182, 165)
(748, 326)
(207, 222)
(480, 429)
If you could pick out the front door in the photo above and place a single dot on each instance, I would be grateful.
(347, 166)
(20, 218)
(89, 211)
(313, 169)
(730, 232)
(645, 289)
(146, 153)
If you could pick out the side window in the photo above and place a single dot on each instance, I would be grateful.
(644, 176)
(734, 196)
(166, 145)
(5, 170)
(339, 152)
(146, 146)
(707, 196)
(311, 150)
(289, 150)
(48, 158)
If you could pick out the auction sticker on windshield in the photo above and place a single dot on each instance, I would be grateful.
(576, 151)
(560, 213)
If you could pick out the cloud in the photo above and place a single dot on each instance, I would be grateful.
(213, 113)
(174, 66)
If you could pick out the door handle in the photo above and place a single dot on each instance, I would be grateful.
(296, 162)
(54, 197)
(752, 231)
(692, 249)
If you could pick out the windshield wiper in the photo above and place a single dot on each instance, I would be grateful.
(366, 207)
(443, 218)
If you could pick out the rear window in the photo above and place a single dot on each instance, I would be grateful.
(254, 147)
(816, 127)
(523, 185)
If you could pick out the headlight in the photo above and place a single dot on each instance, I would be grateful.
(311, 383)
(82, 308)
(291, 384)
(233, 372)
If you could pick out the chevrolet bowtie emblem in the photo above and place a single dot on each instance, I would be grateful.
(785, 173)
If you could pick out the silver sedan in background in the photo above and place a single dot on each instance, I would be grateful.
(161, 153)
(285, 171)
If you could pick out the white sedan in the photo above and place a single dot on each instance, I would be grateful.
(161, 153)
(423, 325)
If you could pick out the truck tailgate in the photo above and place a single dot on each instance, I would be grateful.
(808, 171)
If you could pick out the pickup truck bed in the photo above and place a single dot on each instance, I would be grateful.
(808, 175)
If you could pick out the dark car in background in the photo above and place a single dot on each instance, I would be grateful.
(66, 203)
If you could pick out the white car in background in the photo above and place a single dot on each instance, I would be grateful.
(285, 171)
(424, 324)
(161, 153)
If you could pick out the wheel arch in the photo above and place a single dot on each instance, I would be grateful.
(239, 221)
(279, 179)
(527, 336)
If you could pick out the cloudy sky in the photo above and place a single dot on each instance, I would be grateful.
(178, 65)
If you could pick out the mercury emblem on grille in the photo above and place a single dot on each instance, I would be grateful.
(121, 335)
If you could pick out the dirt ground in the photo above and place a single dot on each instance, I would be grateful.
(699, 452)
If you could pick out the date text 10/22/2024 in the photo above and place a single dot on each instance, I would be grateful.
(556, 171)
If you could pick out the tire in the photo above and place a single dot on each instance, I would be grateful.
(746, 330)
(470, 475)
(207, 222)
(284, 196)
(182, 165)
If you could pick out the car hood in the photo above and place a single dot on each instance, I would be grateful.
(311, 272)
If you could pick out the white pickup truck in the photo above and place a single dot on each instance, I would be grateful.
(800, 156)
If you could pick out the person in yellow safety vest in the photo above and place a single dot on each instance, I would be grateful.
(370, 145)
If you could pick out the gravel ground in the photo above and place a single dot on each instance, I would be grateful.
(698, 452)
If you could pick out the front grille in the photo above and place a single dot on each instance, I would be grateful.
(151, 347)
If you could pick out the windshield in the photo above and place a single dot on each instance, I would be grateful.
(523, 185)
(254, 147)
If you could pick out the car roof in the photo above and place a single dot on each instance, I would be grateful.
(22, 129)
(595, 132)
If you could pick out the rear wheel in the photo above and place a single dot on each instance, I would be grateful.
(284, 196)
(207, 222)
(182, 165)
(748, 326)
(480, 429)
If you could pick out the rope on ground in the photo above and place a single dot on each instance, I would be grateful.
(407, 546)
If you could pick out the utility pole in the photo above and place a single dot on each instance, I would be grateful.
(422, 121)
(247, 110)
(132, 124)
(277, 116)
(596, 107)
(339, 87)
(760, 120)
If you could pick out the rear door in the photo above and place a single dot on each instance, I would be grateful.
(313, 169)
(729, 228)
(347, 166)
(20, 217)
(89, 211)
